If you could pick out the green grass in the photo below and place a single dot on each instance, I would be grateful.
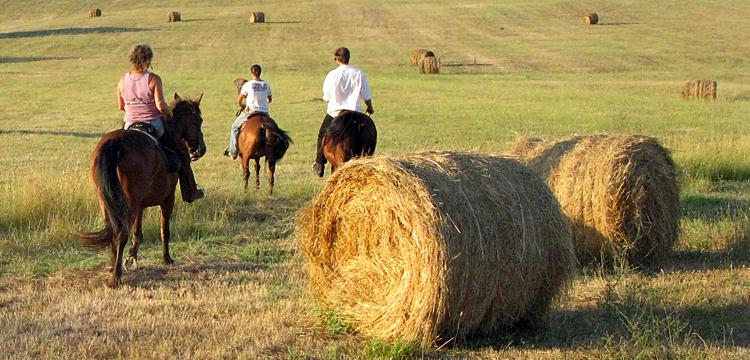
(546, 75)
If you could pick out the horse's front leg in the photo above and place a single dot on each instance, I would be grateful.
(257, 174)
(166, 213)
(118, 246)
(132, 260)
(271, 163)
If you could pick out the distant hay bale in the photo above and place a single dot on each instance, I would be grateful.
(590, 19)
(700, 89)
(174, 16)
(418, 54)
(95, 12)
(620, 193)
(433, 246)
(257, 17)
(429, 65)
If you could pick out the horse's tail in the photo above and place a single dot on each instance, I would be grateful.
(111, 197)
(351, 125)
(277, 138)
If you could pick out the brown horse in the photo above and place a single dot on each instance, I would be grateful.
(260, 136)
(131, 173)
(351, 134)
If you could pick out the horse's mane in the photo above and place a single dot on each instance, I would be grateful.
(345, 126)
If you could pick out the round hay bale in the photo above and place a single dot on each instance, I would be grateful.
(418, 55)
(590, 19)
(700, 89)
(173, 16)
(429, 65)
(433, 246)
(620, 193)
(95, 12)
(257, 17)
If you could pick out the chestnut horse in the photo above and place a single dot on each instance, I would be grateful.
(131, 173)
(351, 134)
(260, 136)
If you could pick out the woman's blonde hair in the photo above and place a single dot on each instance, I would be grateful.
(141, 56)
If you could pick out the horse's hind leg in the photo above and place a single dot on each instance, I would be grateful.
(257, 174)
(118, 246)
(132, 260)
(245, 170)
(271, 170)
(166, 213)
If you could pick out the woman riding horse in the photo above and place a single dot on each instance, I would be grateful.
(140, 95)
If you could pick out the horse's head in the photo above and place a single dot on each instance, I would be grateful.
(186, 124)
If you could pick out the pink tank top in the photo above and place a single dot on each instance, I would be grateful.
(139, 99)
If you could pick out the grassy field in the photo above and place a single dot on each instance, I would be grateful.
(239, 289)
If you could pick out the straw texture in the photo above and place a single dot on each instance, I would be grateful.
(433, 246)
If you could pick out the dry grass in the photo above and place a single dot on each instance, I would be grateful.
(435, 246)
(619, 191)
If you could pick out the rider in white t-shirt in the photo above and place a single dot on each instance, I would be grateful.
(254, 97)
(342, 88)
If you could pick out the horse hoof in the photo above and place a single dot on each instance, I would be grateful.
(131, 263)
(167, 261)
(113, 283)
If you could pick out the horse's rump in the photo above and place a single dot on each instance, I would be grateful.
(357, 129)
(268, 134)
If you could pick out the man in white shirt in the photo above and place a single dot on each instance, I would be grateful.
(254, 97)
(342, 88)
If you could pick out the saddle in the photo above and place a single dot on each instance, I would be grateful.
(170, 157)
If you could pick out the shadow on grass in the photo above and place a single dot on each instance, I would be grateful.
(466, 65)
(722, 326)
(618, 23)
(160, 275)
(26, 59)
(68, 31)
(53, 132)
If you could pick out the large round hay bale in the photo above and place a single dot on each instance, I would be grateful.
(620, 193)
(700, 89)
(257, 17)
(173, 16)
(429, 65)
(418, 54)
(590, 19)
(95, 12)
(433, 246)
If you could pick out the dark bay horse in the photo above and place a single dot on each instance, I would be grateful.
(130, 172)
(260, 136)
(351, 134)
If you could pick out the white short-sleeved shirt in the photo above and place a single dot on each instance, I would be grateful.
(343, 87)
(256, 94)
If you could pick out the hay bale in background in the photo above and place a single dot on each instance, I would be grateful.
(429, 65)
(620, 192)
(257, 17)
(590, 19)
(173, 16)
(701, 89)
(433, 246)
(418, 54)
(95, 12)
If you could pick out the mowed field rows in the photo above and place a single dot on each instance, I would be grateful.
(239, 288)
